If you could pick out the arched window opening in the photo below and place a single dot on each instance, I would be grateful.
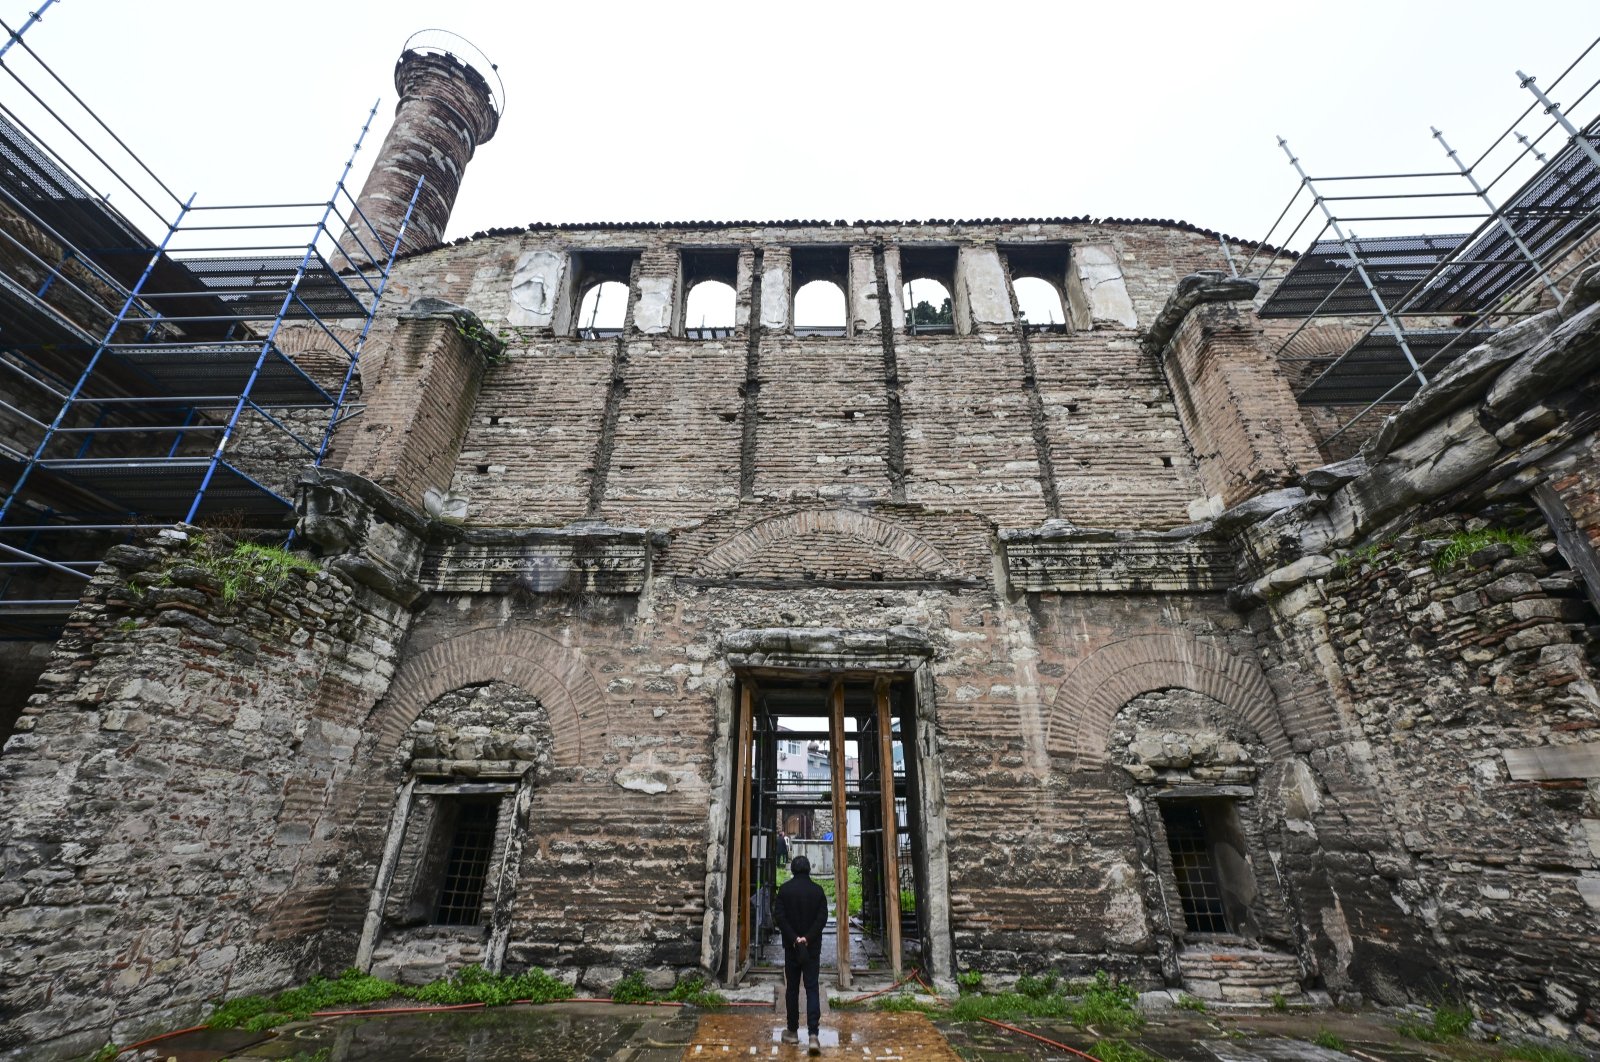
(819, 310)
(1039, 281)
(603, 310)
(929, 275)
(929, 309)
(820, 277)
(1040, 305)
(708, 312)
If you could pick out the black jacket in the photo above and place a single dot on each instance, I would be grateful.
(802, 911)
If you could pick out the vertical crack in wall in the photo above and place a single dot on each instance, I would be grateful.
(750, 391)
(616, 391)
(896, 458)
(1030, 387)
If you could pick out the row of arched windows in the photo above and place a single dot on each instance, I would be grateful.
(819, 306)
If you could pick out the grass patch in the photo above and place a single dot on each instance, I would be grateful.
(474, 984)
(1038, 987)
(1327, 1039)
(632, 989)
(244, 567)
(1464, 544)
(1365, 555)
(1007, 1006)
(694, 990)
(1120, 1051)
(904, 1003)
(470, 984)
(1280, 1002)
(259, 1013)
(251, 565)
(1103, 1003)
(1443, 1025)
(1194, 1003)
(1108, 1004)
(1526, 1052)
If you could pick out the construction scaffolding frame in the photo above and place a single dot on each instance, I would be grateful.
(145, 380)
(1442, 262)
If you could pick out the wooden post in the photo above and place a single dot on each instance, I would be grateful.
(890, 838)
(841, 829)
(747, 782)
(740, 869)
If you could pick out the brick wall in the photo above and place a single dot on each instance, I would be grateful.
(418, 406)
(825, 414)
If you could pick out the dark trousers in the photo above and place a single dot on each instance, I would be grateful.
(793, 970)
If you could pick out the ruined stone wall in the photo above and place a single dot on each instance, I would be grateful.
(1452, 668)
(1443, 688)
(170, 830)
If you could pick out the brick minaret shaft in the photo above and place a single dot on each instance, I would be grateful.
(445, 112)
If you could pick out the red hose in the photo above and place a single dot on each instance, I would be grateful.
(862, 999)
(1041, 1039)
(163, 1036)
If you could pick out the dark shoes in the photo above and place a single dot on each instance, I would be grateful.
(790, 1036)
(815, 1045)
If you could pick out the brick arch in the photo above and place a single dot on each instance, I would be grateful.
(1322, 339)
(883, 535)
(1088, 701)
(312, 347)
(541, 666)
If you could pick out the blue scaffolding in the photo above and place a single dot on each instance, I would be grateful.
(143, 378)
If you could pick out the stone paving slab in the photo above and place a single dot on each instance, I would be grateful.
(868, 1037)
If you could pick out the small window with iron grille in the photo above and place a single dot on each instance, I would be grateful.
(468, 841)
(1194, 865)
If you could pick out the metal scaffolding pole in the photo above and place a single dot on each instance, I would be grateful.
(1499, 217)
(1356, 263)
(1553, 109)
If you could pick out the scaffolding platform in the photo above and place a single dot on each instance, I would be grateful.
(1428, 297)
(1374, 369)
(194, 370)
(143, 381)
(1324, 282)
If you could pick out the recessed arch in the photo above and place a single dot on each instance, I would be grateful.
(546, 669)
(735, 553)
(1088, 701)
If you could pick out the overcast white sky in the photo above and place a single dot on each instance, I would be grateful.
(858, 110)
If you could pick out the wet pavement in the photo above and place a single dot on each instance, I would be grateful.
(581, 1032)
(861, 1035)
(561, 1032)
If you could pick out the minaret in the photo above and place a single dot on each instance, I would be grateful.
(447, 108)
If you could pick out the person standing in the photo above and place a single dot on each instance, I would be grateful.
(802, 915)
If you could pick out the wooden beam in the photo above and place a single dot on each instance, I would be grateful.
(737, 872)
(890, 841)
(744, 849)
(841, 830)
